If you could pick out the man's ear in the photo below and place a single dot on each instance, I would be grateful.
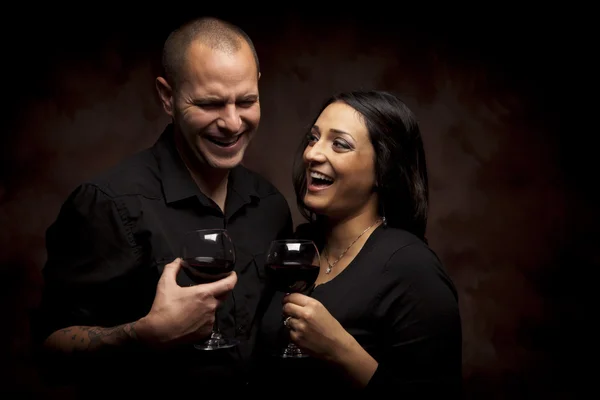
(165, 92)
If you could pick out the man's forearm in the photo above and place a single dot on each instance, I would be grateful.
(91, 338)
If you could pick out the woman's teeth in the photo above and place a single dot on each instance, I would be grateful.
(320, 179)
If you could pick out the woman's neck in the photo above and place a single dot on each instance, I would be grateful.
(342, 233)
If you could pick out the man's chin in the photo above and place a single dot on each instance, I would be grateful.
(221, 163)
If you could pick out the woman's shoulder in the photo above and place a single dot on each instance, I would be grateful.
(411, 259)
(305, 231)
(398, 245)
(396, 238)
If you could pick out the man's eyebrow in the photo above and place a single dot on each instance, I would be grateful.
(214, 99)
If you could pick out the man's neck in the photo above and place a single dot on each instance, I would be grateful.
(211, 181)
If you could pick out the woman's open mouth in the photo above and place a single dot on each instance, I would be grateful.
(318, 181)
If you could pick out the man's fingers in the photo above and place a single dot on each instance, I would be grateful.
(171, 269)
(221, 287)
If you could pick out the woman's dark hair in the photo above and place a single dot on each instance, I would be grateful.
(400, 167)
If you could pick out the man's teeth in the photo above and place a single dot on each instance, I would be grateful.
(225, 140)
(322, 177)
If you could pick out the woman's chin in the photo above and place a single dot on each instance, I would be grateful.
(313, 204)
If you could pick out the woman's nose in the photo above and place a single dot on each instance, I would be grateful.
(314, 153)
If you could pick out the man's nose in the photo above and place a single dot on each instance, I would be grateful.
(230, 119)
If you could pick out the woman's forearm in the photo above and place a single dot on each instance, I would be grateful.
(355, 362)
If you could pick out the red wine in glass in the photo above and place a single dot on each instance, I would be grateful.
(292, 266)
(292, 276)
(208, 255)
(207, 269)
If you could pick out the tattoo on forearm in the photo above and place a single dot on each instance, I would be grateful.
(92, 338)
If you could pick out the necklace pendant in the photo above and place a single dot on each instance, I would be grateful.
(328, 270)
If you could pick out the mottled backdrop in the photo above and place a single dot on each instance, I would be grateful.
(508, 215)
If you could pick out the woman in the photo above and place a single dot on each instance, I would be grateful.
(383, 313)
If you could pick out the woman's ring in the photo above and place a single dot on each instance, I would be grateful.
(286, 321)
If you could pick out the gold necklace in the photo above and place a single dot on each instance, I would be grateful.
(330, 265)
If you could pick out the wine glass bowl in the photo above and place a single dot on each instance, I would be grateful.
(207, 269)
(207, 256)
(292, 266)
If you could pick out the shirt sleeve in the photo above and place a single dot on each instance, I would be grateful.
(421, 327)
(91, 257)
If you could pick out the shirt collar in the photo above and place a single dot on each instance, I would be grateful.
(178, 184)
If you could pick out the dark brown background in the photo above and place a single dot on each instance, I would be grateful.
(509, 214)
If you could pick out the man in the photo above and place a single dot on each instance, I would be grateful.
(115, 298)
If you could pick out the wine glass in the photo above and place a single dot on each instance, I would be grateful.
(208, 255)
(292, 266)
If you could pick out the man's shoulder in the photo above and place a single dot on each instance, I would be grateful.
(137, 174)
(261, 185)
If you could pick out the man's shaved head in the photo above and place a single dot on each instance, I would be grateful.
(212, 33)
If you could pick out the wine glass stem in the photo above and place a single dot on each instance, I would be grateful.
(215, 330)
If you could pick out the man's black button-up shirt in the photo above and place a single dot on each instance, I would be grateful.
(114, 234)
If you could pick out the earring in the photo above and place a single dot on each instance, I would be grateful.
(383, 218)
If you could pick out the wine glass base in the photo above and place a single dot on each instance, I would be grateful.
(221, 344)
(292, 351)
(217, 342)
